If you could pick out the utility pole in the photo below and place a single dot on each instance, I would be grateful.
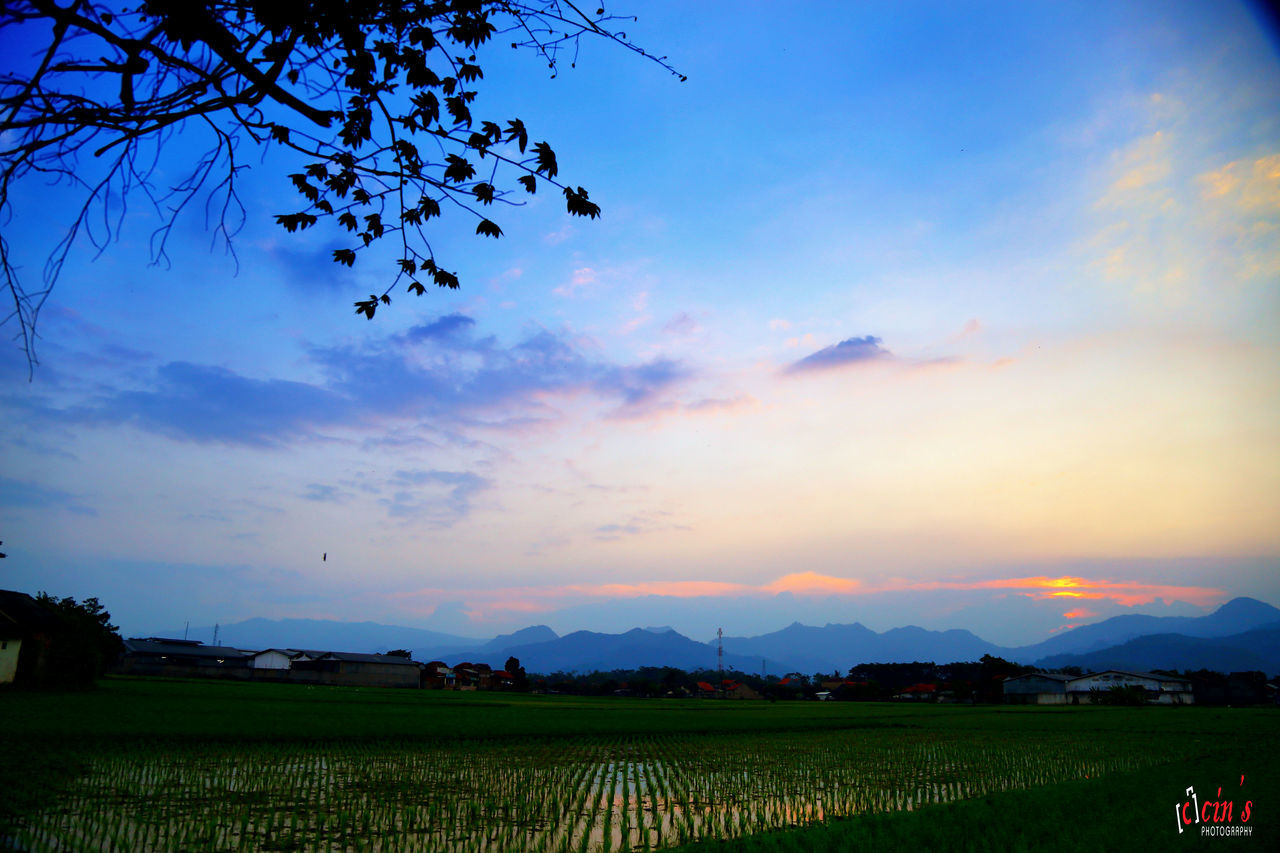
(215, 634)
(720, 655)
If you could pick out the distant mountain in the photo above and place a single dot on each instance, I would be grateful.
(324, 634)
(1141, 642)
(1258, 649)
(523, 637)
(836, 648)
(584, 651)
(1239, 614)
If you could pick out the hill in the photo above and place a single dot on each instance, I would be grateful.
(1258, 649)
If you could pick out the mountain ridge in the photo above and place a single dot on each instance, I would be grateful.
(831, 648)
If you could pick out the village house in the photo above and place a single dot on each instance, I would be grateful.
(358, 670)
(25, 632)
(273, 659)
(1160, 689)
(172, 657)
(1036, 688)
(1045, 688)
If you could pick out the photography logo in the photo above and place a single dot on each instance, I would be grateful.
(1215, 817)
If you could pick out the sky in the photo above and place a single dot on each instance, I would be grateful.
(948, 314)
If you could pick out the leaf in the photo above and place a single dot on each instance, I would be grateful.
(484, 192)
(348, 221)
(488, 229)
(408, 265)
(578, 204)
(429, 206)
(367, 306)
(386, 300)
(301, 184)
(546, 159)
(457, 107)
(529, 182)
(445, 279)
(295, 221)
(458, 170)
(345, 256)
(516, 131)
(416, 288)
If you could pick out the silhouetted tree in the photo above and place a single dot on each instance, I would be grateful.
(518, 677)
(83, 645)
(373, 100)
(400, 653)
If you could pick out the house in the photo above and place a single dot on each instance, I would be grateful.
(273, 659)
(730, 689)
(172, 657)
(918, 693)
(1160, 689)
(26, 631)
(357, 670)
(437, 675)
(1036, 688)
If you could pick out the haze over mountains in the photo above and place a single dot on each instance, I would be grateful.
(1243, 634)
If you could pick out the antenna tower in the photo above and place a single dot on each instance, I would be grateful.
(720, 652)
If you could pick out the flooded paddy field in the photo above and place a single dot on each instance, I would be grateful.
(600, 789)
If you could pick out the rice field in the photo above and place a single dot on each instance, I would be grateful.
(588, 794)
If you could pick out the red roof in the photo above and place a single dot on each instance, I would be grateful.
(702, 685)
(921, 688)
(785, 681)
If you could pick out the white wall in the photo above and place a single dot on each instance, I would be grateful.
(9, 660)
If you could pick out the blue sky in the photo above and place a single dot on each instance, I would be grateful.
(962, 315)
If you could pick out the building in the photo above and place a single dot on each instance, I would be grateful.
(273, 658)
(1160, 689)
(26, 630)
(1036, 688)
(357, 670)
(179, 658)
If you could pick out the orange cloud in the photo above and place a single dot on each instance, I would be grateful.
(812, 583)
(484, 604)
(1126, 593)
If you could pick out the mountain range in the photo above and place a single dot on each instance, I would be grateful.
(1243, 634)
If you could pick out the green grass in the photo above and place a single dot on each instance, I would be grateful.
(224, 765)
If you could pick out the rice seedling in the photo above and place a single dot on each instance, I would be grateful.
(586, 794)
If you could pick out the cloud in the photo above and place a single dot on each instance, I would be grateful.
(201, 403)
(681, 324)
(709, 405)
(813, 591)
(321, 493)
(450, 326)
(311, 268)
(583, 277)
(847, 352)
(439, 497)
(439, 371)
(27, 495)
